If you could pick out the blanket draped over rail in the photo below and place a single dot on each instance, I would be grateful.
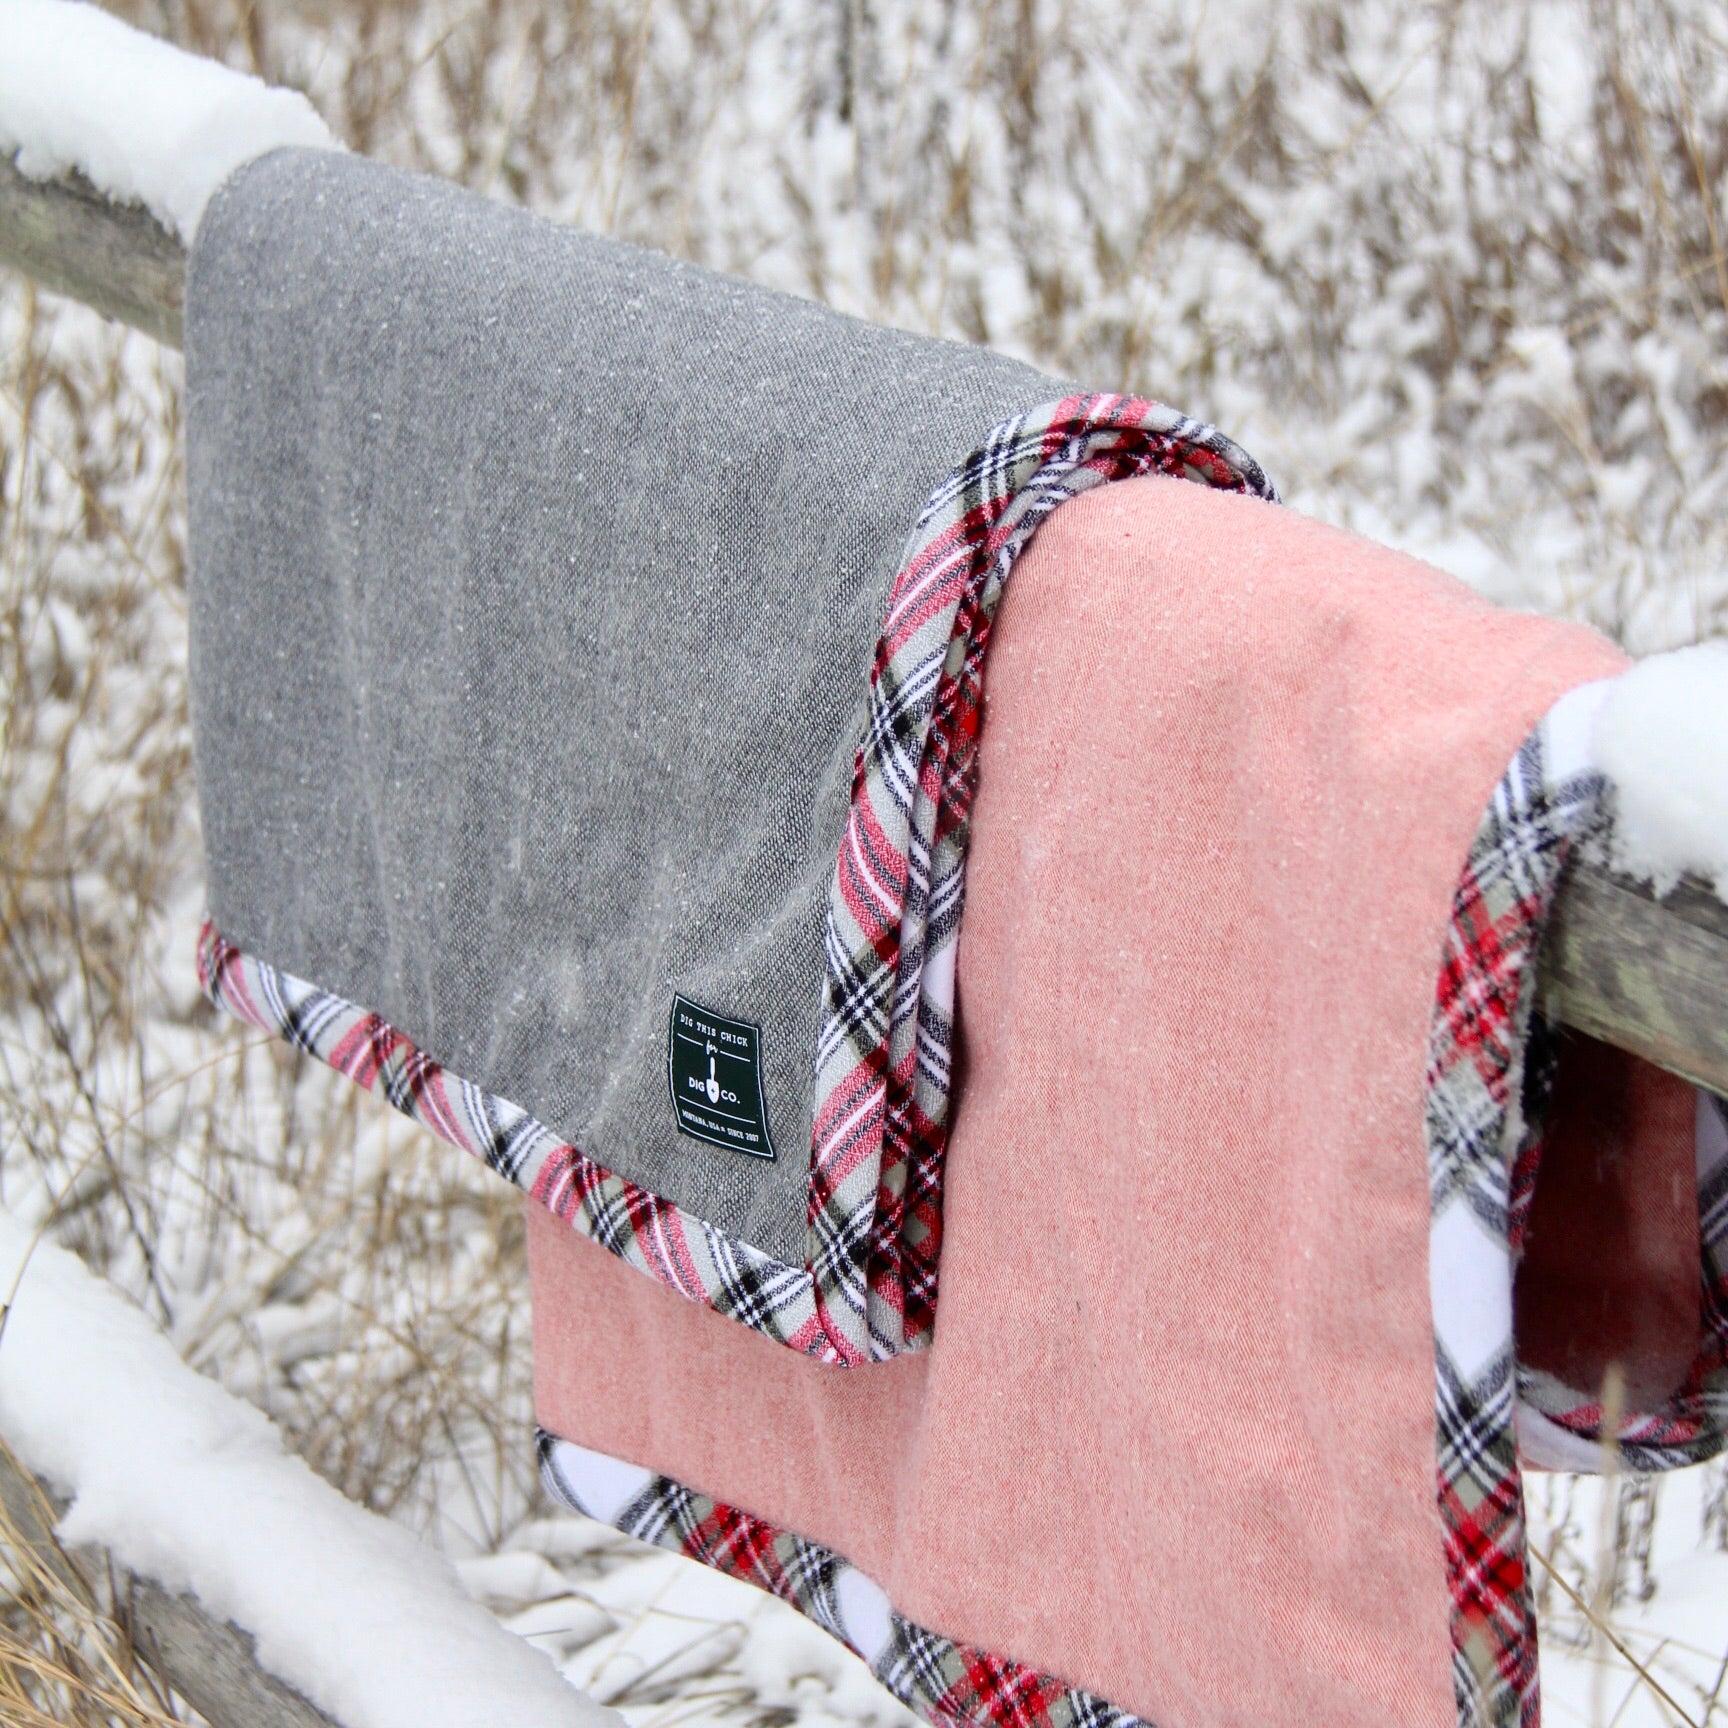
(597, 758)
(574, 713)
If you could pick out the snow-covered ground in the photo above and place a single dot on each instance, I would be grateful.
(1451, 269)
(1660, 1546)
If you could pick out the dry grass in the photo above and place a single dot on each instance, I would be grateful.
(1456, 270)
(65, 1657)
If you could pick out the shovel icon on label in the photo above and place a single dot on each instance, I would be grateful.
(713, 1084)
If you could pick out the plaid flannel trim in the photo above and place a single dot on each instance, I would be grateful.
(1490, 1069)
(884, 1052)
(1475, 1071)
(949, 1685)
(672, 1246)
(868, 1288)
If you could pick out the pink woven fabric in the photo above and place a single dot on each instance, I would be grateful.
(1175, 1440)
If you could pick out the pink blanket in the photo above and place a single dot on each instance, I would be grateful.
(1225, 1207)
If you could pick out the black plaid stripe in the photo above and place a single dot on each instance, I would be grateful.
(303, 1020)
(563, 1492)
(546, 1456)
(947, 904)
(935, 1056)
(1459, 1120)
(1655, 1460)
(1474, 1424)
(508, 1137)
(918, 1667)
(608, 1210)
(897, 725)
(403, 1079)
(1531, 827)
(1253, 478)
(976, 480)
(1467, 1690)
(762, 1293)
(1088, 1710)
(756, 1292)
(842, 1238)
(811, 1576)
(665, 1514)
(857, 998)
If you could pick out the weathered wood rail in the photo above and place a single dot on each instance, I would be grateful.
(210, 1663)
(115, 257)
(1649, 975)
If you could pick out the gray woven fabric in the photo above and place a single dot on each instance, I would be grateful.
(535, 582)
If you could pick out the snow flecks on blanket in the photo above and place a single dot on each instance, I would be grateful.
(184, 1483)
(1662, 737)
(141, 120)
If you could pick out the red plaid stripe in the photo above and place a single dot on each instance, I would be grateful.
(992, 1689)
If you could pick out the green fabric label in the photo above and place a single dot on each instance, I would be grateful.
(715, 1068)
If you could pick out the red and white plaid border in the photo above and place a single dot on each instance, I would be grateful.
(949, 1685)
(884, 1052)
(672, 1246)
(1483, 1160)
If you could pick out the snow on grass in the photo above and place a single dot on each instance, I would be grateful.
(142, 120)
(187, 1484)
(651, 1632)
(1662, 737)
(1650, 1560)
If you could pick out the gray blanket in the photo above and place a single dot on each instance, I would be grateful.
(535, 582)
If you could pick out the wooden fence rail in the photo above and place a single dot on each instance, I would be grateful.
(1648, 975)
(208, 1662)
(115, 257)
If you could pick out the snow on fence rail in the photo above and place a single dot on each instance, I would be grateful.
(111, 143)
(210, 1663)
(211, 1525)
